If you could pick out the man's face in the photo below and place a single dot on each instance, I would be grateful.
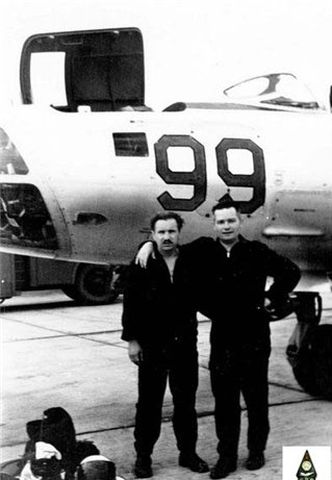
(227, 224)
(166, 235)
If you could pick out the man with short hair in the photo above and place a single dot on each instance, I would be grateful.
(233, 273)
(236, 272)
(160, 326)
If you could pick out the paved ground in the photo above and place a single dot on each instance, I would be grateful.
(57, 354)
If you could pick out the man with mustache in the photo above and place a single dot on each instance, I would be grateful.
(233, 273)
(160, 326)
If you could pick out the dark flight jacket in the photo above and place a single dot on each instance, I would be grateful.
(157, 312)
(232, 289)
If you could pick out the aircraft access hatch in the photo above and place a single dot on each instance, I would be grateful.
(99, 70)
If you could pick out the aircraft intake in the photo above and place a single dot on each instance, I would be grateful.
(24, 218)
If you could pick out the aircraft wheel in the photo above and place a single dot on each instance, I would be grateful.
(314, 370)
(93, 285)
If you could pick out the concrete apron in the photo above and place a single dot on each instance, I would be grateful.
(69, 356)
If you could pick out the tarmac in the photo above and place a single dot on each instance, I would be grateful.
(55, 353)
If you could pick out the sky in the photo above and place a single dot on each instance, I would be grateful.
(194, 49)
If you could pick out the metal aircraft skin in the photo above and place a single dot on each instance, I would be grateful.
(87, 192)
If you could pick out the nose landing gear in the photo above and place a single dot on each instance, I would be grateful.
(309, 350)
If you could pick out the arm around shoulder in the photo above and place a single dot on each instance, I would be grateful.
(144, 253)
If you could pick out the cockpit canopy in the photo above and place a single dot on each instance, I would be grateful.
(275, 90)
(271, 92)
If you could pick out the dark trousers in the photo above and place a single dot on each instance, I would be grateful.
(180, 366)
(240, 370)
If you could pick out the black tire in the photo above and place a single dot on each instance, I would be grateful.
(93, 285)
(314, 370)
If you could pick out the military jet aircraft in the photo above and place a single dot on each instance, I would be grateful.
(85, 163)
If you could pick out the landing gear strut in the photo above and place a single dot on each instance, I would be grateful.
(309, 350)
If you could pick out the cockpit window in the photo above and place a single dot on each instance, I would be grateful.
(95, 70)
(11, 161)
(276, 89)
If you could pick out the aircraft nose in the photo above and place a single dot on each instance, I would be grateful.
(25, 219)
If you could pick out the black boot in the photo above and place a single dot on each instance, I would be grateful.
(223, 467)
(142, 467)
(193, 462)
(255, 461)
